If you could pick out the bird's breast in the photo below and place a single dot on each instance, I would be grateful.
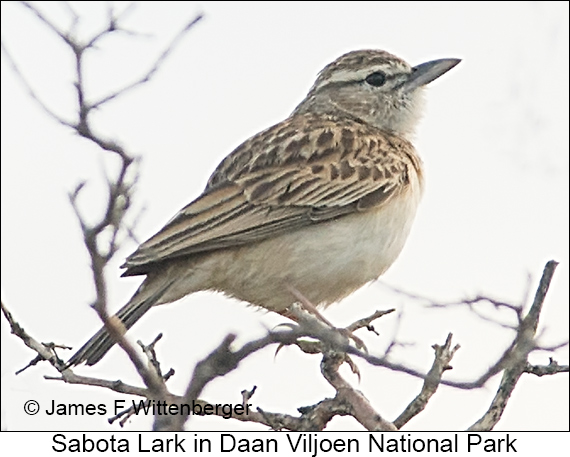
(325, 262)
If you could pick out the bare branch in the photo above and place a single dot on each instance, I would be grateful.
(66, 37)
(116, 386)
(516, 362)
(367, 321)
(443, 355)
(360, 407)
(43, 352)
(543, 370)
(151, 354)
(516, 309)
(155, 66)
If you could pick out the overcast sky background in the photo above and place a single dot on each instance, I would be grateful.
(494, 140)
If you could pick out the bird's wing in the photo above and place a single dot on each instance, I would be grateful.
(302, 171)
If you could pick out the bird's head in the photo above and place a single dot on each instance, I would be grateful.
(374, 87)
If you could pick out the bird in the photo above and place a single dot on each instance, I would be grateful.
(320, 203)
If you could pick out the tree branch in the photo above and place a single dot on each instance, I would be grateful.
(516, 361)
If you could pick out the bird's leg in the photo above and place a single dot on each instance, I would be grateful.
(309, 307)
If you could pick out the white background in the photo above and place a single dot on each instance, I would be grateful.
(494, 141)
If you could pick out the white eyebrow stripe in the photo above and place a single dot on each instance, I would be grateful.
(347, 75)
(354, 75)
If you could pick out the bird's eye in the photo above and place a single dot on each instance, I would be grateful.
(376, 79)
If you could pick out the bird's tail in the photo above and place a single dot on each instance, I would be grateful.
(100, 343)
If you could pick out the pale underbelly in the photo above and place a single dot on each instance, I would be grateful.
(325, 262)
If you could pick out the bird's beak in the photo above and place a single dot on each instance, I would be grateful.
(426, 72)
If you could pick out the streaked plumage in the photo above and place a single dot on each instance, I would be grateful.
(322, 201)
(305, 170)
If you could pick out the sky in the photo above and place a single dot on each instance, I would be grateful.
(495, 144)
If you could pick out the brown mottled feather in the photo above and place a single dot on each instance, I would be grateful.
(304, 170)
